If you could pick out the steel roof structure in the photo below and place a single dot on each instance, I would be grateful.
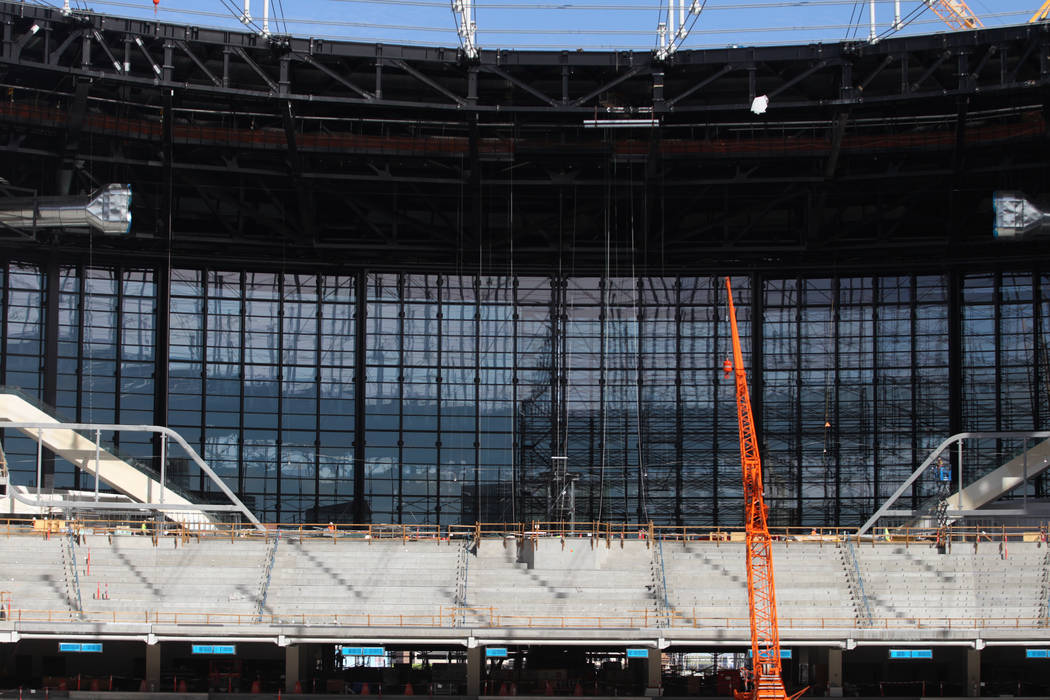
(398, 157)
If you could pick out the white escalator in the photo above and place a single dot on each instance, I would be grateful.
(1001, 481)
(137, 484)
(1027, 454)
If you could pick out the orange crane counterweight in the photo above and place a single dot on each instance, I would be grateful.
(761, 591)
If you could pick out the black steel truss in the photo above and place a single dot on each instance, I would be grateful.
(398, 157)
(227, 65)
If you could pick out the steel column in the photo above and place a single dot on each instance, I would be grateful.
(360, 511)
(50, 368)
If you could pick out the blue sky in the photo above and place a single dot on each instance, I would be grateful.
(567, 24)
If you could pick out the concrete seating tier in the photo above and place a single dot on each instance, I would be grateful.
(32, 572)
(919, 582)
(513, 583)
(132, 575)
(387, 580)
(709, 580)
(550, 578)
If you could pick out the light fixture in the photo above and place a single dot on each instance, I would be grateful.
(619, 123)
(107, 209)
(1016, 217)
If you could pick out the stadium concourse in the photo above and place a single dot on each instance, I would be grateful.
(595, 609)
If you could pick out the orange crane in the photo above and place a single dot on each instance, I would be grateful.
(955, 13)
(761, 592)
(1041, 13)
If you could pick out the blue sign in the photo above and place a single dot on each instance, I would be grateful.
(784, 653)
(496, 652)
(78, 647)
(911, 653)
(362, 651)
(637, 653)
(1037, 653)
(222, 649)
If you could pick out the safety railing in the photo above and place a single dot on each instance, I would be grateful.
(598, 532)
(493, 618)
(659, 576)
(72, 577)
(462, 574)
(856, 582)
(264, 583)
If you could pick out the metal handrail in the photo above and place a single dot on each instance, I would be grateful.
(72, 565)
(271, 557)
(462, 571)
(854, 574)
(661, 580)
(606, 533)
(166, 433)
(445, 618)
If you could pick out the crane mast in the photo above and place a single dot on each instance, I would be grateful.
(762, 604)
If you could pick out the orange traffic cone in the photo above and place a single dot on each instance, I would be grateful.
(548, 688)
(579, 690)
(503, 688)
(256, 686)
(63, 685)
(298, 686)
(94, 685)
(408, 689)
(182, 686)
(364, 689)
(142, 686)
(513, 688)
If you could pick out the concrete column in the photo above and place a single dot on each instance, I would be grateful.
(973, 673)
(293, 666)
(474, 663)
(835, 673)
(152, 667)
(655, 664)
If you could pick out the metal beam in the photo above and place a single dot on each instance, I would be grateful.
(519, 83)
(305, 58)
(610, 85)
(255, 67)
(303, 196)
(426, 80)
(197, 62)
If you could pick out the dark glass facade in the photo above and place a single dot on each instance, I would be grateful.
(443, 398)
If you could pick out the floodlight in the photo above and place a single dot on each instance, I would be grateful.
(107, 209)
(1016, 216)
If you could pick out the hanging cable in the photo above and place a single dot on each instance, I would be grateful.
(514, 353)
(826, 454)
(603, 369)
(638, 366)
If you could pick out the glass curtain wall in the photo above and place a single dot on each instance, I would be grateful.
(499, 398)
